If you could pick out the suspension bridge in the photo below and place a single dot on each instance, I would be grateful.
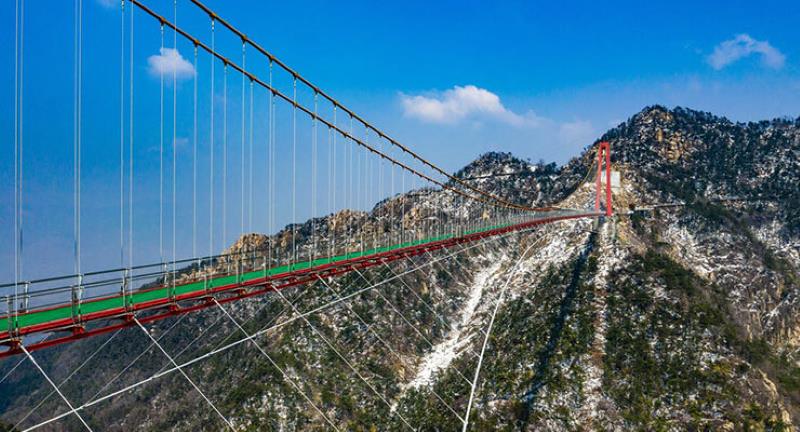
(279, 150)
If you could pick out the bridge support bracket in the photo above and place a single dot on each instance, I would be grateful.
(13, 344)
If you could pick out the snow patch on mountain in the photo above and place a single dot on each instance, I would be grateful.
(444, 352)
(611, 257)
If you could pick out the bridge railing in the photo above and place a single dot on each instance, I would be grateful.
(82, 292)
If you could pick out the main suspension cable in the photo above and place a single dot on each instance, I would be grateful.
(336, 103)
(309, 112)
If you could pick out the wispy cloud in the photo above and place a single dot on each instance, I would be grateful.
(459, 103)
(741, 46)
(170, 61)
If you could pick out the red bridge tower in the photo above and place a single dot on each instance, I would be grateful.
(604, 153)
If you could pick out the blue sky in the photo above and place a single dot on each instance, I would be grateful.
(451, 79)
(580, 65)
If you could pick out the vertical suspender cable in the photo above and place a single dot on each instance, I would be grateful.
(294, 171)
(16, 150)
(250, 165)
(22, 136)
(365, 168)
(368, 172)
(344, 216)
(393, 205)
(241, 172)
(161, 158)
(273, 161)
(19, 13)
(174, 144)
(271, 170)
(22, 142)
(130, 147)
(225, 155)
(403, 206)
(380, 189)
(122, 134)
(414, 225)
(314, 179)
(370, 182)
(211, 136)
(78, 153)
(330, 192)
(335, 220)
(270, 196)
(357, 177)
(194, 157)
(77, 135)
(349, 153)
(75, 142)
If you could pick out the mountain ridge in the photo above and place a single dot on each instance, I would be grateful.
(683, 317)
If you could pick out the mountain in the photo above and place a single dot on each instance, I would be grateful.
(678, 313)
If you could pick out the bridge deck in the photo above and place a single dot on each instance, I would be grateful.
(34, 318)
(60, 317)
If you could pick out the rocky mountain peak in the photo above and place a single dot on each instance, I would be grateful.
(493, 163)
(686, 315)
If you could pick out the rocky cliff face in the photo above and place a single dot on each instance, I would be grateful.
(670, 318)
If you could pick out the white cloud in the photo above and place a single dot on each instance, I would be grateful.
(170, 61)
(458, 103)
(741, 46)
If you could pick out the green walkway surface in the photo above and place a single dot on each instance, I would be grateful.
(116, 302)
